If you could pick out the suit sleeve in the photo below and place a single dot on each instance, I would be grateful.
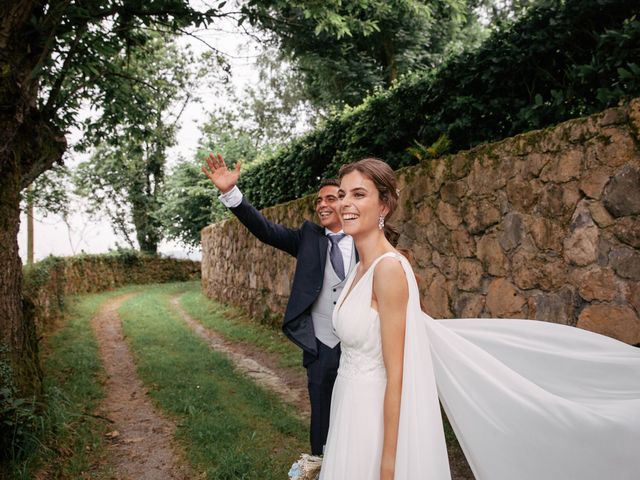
(274, 234)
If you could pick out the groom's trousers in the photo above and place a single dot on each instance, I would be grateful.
(321, 374)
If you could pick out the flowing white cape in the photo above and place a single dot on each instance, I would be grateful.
(528, 400)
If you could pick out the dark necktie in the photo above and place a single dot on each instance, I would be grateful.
(335, 255)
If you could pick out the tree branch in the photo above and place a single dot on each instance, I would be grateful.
(55, 89)
(53, 19)
(40, 145)
(207, 44)
(101, 15)
(184, 106)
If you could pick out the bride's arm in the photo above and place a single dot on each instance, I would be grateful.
(391, 294)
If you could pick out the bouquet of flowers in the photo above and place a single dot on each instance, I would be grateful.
(306, 468)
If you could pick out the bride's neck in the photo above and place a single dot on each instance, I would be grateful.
(370, 246)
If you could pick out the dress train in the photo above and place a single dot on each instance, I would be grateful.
(528, 400)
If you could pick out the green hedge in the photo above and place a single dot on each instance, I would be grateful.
(48, 282)
(562, 60)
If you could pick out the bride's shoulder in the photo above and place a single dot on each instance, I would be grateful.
(392, 258)
(390, 285)
(389, 268)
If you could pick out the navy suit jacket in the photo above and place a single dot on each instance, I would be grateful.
(309, 245)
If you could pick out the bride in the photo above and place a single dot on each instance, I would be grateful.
(528, 400)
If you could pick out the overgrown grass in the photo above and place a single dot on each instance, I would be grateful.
(68, 442)
(229, 427)
(236, 327)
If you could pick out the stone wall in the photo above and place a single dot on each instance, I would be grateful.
(544, 225)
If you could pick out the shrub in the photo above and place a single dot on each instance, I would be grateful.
(48, 282)
(561, 60)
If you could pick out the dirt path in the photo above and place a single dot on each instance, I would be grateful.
(256, 364)
(142, 445)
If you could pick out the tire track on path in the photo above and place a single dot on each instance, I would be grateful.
(258, 365)
(143, 446)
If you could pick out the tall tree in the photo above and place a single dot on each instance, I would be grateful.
(343, 54)
(271, 110)
(53, 56)
(125, 174)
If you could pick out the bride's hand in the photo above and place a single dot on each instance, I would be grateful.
(220, 175)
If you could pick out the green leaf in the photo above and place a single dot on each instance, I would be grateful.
(625, 74)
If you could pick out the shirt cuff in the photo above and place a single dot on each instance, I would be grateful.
(232, 198)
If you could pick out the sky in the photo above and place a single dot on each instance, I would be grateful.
(82, 234)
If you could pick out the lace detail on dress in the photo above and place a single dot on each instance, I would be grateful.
(356, 364)
(358, 327)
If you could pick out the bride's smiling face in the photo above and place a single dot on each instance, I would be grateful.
(360, 205)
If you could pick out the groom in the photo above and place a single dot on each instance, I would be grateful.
(324, 258)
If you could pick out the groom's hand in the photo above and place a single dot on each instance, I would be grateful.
(220, 175)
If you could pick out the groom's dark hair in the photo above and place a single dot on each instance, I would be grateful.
(329, 181)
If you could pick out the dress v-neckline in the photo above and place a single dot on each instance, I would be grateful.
(350, 288)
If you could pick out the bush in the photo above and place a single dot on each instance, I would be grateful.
(19, 417)
(48, 282)
(561, 60)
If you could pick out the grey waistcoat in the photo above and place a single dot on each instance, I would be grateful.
(322, 309)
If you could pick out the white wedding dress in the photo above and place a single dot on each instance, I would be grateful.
(528, 400)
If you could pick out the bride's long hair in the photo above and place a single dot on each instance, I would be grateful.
(382, 176)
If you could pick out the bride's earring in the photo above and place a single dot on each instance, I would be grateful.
(381, 222)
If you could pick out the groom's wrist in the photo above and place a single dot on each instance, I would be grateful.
(231, 198)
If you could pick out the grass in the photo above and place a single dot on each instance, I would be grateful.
(236, 327)
(69, 439)
(229, 427)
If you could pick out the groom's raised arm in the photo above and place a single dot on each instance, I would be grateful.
(274, 234)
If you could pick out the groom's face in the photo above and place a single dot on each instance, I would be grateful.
(327, 208)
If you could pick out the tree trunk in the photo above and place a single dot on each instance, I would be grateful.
(389, 61)
(18, 344)
(30, 227)
(144, 197)
(29, 145)
(145, 225)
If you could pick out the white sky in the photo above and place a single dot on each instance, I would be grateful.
(54, 237)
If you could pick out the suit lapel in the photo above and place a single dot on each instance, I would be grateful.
(323, 243)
